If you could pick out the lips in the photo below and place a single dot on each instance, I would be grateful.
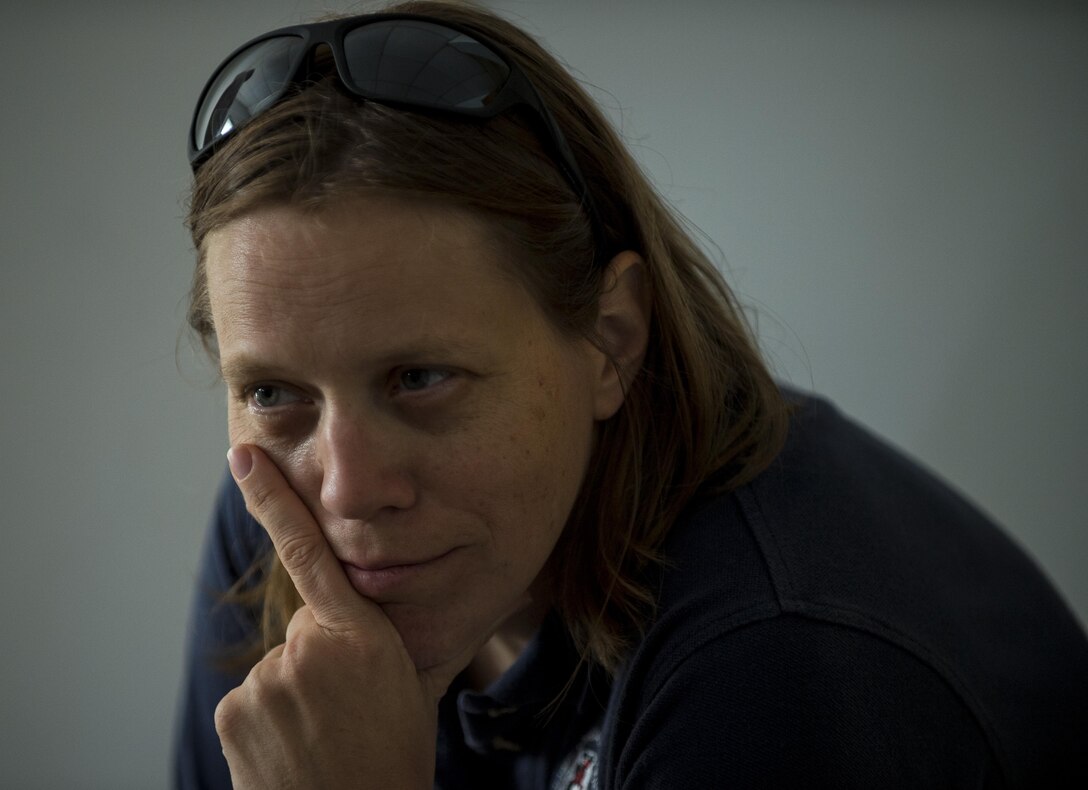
(384, 579)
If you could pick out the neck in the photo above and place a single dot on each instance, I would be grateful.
(504, 647)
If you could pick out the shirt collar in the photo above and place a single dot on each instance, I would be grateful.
(547, 686)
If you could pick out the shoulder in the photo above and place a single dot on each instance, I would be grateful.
(847, 582)
(791, 701)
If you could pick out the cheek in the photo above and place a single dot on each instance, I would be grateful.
(525, 481)
(239, 428)
(293, 457)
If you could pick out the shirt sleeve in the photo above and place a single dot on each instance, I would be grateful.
(233, 544)
(793, 702)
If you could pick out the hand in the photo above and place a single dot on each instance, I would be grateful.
(340, 703)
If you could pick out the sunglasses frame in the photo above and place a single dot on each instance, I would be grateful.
(516, 91)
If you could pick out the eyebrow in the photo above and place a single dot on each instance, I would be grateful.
(246, 366)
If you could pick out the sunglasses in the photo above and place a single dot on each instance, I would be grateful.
(405, 61)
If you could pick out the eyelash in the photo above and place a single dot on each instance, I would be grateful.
(398, 386)
(250, 394)
(400, 377)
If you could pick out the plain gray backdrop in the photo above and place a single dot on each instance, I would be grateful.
(898, 191)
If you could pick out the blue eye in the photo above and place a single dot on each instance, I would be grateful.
(415, 379)
(268, 396)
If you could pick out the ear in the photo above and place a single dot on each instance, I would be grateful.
(623, 326)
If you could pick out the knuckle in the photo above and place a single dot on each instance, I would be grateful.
(265, 693)
(262, 691)
(259, 500)
(298, 552)
(228, 714)
(302, 619)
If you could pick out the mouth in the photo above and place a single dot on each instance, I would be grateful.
(384, 581)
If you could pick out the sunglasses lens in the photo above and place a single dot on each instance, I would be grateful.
(254, 79)
(423, 64)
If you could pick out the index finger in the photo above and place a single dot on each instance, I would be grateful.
(298, 540)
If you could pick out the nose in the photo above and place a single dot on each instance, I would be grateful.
(363, 464)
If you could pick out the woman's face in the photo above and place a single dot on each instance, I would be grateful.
(415, 397)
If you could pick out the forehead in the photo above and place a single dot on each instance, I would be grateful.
(337, 242)
(365, 274)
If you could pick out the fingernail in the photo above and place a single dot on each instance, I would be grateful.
(241, 461)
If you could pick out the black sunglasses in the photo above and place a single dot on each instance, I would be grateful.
(403, 60)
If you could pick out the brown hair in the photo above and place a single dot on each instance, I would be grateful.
(703, 413)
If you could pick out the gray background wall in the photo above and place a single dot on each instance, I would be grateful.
(898, 190)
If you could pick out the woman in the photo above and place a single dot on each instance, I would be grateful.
(525, 508)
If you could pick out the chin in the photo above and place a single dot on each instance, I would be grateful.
(435, 638)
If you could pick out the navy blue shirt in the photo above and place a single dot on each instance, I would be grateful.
(845, 620)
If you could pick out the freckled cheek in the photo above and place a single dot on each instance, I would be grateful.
(526, 482)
